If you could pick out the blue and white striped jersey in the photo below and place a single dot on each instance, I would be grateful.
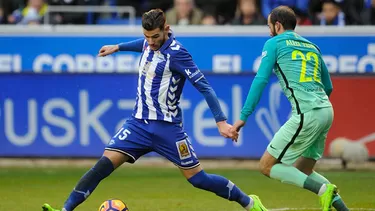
(162, 76)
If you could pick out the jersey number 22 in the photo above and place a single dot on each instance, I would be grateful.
(310, 55)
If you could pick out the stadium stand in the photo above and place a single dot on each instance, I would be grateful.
(189, 12)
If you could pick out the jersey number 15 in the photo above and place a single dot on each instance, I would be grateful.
(310, 55)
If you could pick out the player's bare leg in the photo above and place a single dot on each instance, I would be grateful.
(289, 174)
(87, 184)
(222, 187)
(306, 165)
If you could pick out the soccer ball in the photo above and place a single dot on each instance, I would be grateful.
(349, 151)
(336, 148)
(113, 205)
(355, 152)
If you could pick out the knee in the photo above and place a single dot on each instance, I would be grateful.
(265, 168)
(116, 158)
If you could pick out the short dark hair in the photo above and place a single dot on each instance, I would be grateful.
(285, 16)
(153, 19)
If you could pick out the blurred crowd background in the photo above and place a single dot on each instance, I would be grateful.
(194, 12)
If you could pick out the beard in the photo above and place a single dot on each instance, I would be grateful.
(273, 31)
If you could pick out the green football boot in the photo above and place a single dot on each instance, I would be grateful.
(327, 197)
(47, 207)
(258, 206)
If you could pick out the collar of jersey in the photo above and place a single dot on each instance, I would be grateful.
(167, 42)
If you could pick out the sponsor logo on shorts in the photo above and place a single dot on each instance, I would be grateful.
(187, 162)
(183, 149)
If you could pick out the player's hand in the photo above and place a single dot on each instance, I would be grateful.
(226, 130)
(108, 50)
(237, 127)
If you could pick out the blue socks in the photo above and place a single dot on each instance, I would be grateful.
(220, 186)
(88, 183)
(104, 167)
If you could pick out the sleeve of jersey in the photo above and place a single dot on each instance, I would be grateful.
(184, 64)
(261, 79)
(135, 45)
(326, 79)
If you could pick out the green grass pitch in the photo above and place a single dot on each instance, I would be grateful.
(164, 189)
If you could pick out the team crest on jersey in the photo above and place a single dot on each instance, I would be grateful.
(146, 67)
(183, 149)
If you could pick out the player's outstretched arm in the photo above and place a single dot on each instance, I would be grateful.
(135, 46)
(260, 81)
(184, 64)
(210, 96)
(326, 78)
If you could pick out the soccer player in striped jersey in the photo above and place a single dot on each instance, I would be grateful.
(304, 78)
(156, 123)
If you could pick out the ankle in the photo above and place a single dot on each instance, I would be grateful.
(250, 205)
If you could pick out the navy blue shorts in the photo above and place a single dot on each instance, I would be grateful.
(138, 137)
